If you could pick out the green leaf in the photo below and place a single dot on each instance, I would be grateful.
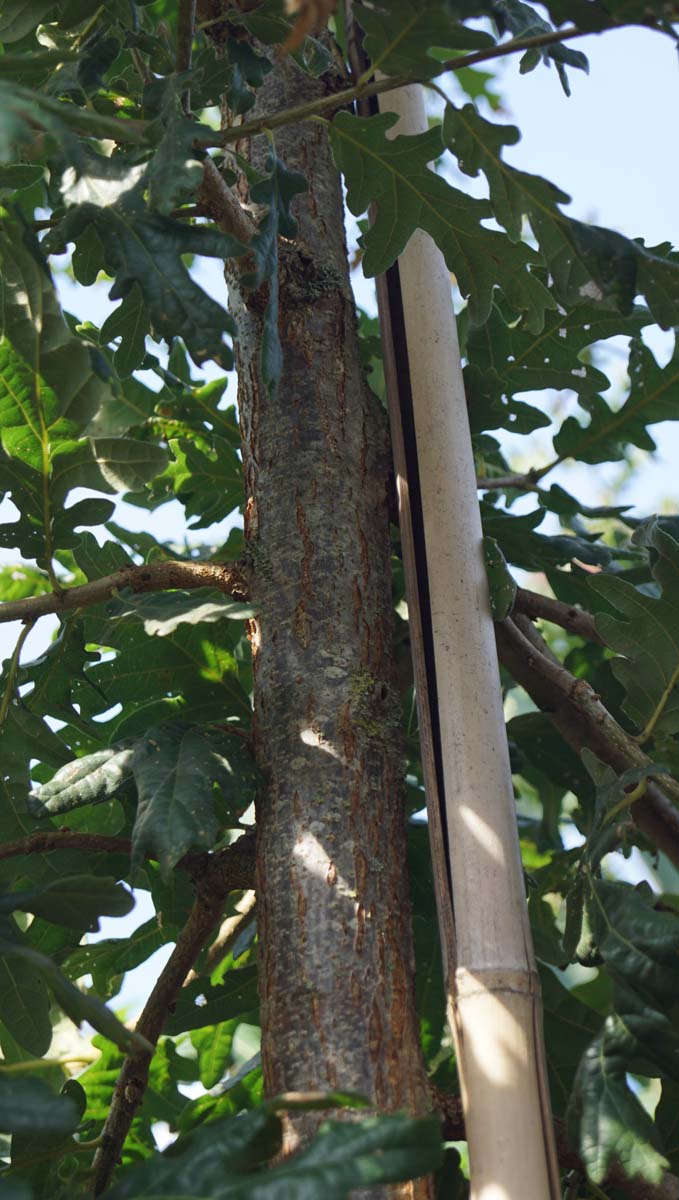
(206, 476)
(163, 612)
(505, 359)
(76, 1004)
(501, 583)
(522, 21)
(202, 1003)
(88, 780)
(646, 635)
(75, 901)
(585, 261)
(28, 1106)
(58, 675)
(218, 1160)
(109, 958)
(569, 1028)
(652, 398)
(20, 17)
(522, 546)
(639, 944)
(24, 1002)
(400, 36)
(47, 376)
(246, 70)
(129, 322)
(606, 1121)
(539, 744)
(393, 172)
(212, 1156)
(147, 249)
(213, 1044)
(193, 665)
(176, 769)
(16, 176)
(175, 171)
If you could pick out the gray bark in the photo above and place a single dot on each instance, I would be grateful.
(332, 892)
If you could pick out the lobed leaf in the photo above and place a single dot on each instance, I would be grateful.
(646, 635)
(394, 173)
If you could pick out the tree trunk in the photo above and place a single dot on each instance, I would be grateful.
(334, 912)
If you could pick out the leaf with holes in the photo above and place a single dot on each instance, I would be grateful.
(652, 398)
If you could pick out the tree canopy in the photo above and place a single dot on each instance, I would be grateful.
(125, 747)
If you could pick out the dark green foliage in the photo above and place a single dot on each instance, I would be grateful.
(132, 721)
(393, 172)
(219, 1161)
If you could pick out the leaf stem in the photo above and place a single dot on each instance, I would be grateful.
(13, 668)
(649, 727)
(627, 800)
(186, 18)
(84, 33)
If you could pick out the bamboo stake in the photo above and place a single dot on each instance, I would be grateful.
(496, 1014)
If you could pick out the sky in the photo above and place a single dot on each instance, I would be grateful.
(613, 146)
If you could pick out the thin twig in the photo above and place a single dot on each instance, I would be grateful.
(229, 578)
(219, 201)
(581, 718)
(186, 18)
(219, 874)
(13, 668)
(140, 66)
(227, 936)
(568, 616)
(518, 482)
(133, 1078)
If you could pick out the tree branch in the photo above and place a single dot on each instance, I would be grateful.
(340, 99)
(227, 935)
(233, 865)
(546, 608)
(213, 884)
(44, 843)
(133, 1078)
(581, 718)
(219, 201)
(230, 578)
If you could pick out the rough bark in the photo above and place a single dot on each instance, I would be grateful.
(332, 893)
